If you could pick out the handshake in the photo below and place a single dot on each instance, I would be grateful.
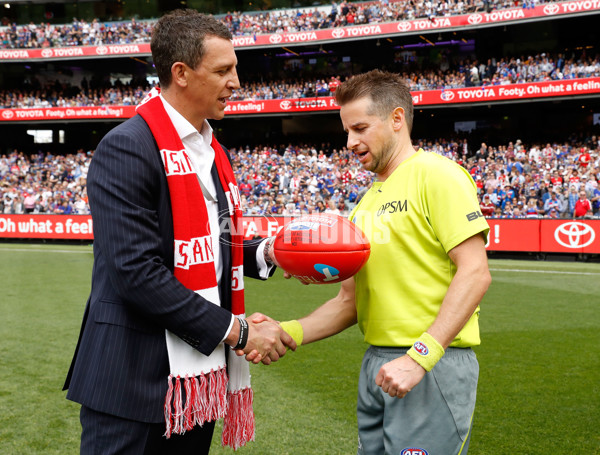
(263, 341)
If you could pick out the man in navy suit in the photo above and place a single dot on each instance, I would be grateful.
(121, 363)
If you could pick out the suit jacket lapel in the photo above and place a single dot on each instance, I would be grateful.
(224, 239)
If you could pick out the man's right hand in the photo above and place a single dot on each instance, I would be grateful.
(267, 341)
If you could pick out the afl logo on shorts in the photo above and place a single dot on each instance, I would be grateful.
(423, 350)
(414, 451)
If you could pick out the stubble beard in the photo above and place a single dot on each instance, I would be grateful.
(381, 160)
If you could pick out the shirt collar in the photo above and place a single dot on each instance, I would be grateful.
(185, 128)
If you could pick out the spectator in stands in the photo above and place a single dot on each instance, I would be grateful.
(540, 207)
(253, 209)
(573, 179)
(584, 159)
(543, 192)
(487, 206)
(80, 206)
(553, 213)
(572, 198)
(591, 183)
(29, 202)
(564, 202)
(556, 178)
(516, 213)
(595, 200)
(553, 203)
(530, 210)
(583, 206)
(7, 202)
(507, 210)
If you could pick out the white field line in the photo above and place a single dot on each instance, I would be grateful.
(558, 272)
(39, 250)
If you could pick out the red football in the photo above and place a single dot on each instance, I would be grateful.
(321, 249)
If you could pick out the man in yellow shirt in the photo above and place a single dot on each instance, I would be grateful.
(417, 298)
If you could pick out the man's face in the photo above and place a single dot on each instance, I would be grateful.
(213, 81)
(370, 137)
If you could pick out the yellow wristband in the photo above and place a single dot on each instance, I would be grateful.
(426, 351)
(294, 329)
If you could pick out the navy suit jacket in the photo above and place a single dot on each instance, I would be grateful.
(121, 365)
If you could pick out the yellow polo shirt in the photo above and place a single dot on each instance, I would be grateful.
(424, 209)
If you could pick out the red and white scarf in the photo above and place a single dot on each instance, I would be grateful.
(208, 392)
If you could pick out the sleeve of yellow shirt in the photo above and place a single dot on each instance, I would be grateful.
(454, 210)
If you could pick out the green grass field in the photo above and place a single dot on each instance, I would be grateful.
(538, 391)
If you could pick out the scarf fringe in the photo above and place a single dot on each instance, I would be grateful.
(168, 399)
(238, 426)
(205, 401)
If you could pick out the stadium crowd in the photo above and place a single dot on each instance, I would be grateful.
(44, 183)
(60, 94)
(556, 180)
(95, 33)
(463, 73)
(345, 14)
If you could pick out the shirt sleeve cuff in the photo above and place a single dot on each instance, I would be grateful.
(263, 268)
(229, 329)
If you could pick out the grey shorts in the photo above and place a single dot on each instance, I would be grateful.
(433, 419)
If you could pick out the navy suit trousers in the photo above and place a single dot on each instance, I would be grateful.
(105, 434)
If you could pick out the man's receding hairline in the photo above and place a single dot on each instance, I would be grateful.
(371, 109)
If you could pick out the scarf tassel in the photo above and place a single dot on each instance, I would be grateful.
(168, 412)
(205, 400)
(238, 426)
(200, 403)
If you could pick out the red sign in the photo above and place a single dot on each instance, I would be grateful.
(513, 235)
(570, 236)
(67, 113)
(321, 103)
(70, 52)
(547, 89)
(527, 235)
(545, 236)
(571, 87)
(73, 227)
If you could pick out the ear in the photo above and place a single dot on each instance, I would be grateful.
(398, 118)
(179, 74)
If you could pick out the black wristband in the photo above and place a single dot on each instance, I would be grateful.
(243, 338)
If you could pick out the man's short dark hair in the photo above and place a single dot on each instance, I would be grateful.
(179, 36)
(387, 91)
